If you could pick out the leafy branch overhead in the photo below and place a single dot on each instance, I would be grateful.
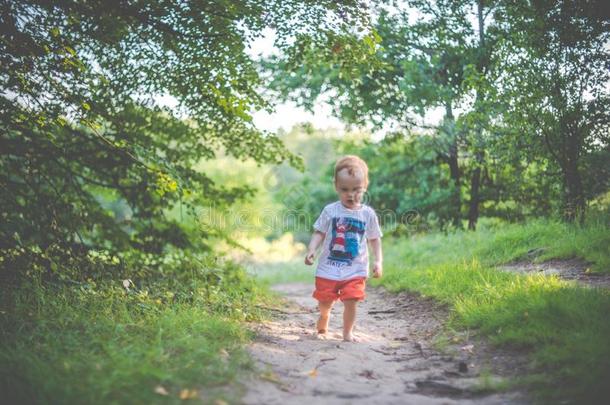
(80, 126)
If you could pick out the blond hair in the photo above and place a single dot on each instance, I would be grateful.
(352, 163)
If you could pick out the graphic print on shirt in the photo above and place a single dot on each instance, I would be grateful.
(347, 233)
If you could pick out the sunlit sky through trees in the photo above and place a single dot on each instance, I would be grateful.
(287, 114)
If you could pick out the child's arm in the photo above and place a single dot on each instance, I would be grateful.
(314, 243)
(378, 263)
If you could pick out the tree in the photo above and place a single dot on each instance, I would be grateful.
(79, 121)
(555, 84)
(438, 60)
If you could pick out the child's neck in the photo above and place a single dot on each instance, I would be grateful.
(355, 207)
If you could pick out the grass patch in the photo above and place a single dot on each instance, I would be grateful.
(497, 243)
(554, 240)
(102, 343)
(565, 326)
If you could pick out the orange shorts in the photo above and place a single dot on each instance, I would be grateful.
(331, 290)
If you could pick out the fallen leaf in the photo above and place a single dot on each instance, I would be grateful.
(313, 372)
(126, 283)
(188, 394)
(159, 389)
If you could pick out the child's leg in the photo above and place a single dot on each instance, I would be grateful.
(349, 317)
(325, 307)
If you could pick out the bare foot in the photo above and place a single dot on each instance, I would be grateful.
(321, 334)
(350, 338)
(322, 324)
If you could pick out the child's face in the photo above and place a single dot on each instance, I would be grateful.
(350, 188)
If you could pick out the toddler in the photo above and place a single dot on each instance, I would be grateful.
(344, 227)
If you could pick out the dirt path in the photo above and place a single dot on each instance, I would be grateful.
(394, 362)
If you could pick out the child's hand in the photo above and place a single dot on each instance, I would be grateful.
(377, 270)
(309, 258)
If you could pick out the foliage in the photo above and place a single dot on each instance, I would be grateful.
(554, 85)
(79, 118)
(437, 60)
(495, 69)
(302, 195)
(406, 180)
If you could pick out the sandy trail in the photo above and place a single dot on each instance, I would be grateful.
(394, 362)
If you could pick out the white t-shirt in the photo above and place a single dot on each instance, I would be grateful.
(344, 250)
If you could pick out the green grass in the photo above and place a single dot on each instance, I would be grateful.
(496, 243)
(564, 326)
(100, 344)
(555, 240)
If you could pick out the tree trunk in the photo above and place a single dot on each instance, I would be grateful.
(574, 199)
(475, 182)
(454, 170)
